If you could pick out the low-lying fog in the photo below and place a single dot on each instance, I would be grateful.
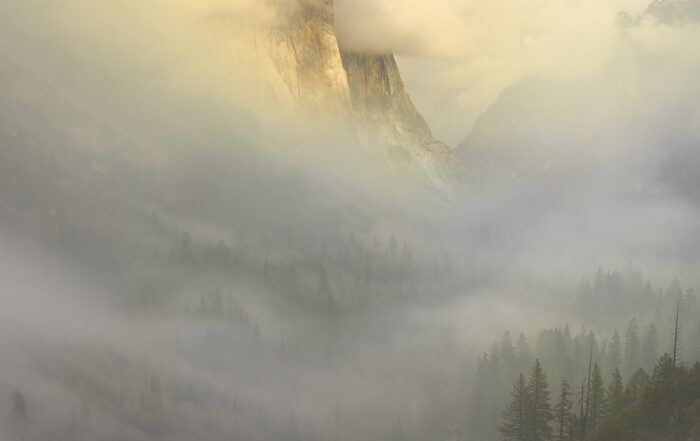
(171, 267)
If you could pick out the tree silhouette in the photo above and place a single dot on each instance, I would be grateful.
(615, 399)
(562, 413)
(540, 415)
(19, 405)
(515, 416)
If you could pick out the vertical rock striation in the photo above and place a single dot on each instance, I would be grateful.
(295, 62)
(388, 122)
(289, 61)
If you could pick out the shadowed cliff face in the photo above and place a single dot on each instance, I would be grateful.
(297, 66)
(388, 121)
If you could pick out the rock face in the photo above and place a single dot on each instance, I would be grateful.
(387, 120)
(296, 62)
(292, 62)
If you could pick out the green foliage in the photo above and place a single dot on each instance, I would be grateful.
(663, 370)
(615, 353)
(515, 416)
(597, 404)
(668, 410)
(615, 399)
(632, 348)
(562, 413)
(637, 385)
(528, 416)
(540, 415)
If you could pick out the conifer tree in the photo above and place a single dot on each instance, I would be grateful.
(694, 349)
(615, 399)
(637, 385)
(663, 370)
(540, 414)
(495, 363)
(523, 353)
(676, 349)
(632, 348)
(20, 406)
(614, 356)
(562, 414)
(597, 399)
(515, 416)
(508, 356)
(484, 404)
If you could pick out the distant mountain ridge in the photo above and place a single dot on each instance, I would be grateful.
(633, 113)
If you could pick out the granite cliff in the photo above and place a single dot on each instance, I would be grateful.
(296, 63)
(388, 122)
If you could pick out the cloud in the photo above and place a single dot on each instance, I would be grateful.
(154, 44)
(472, 50)
(456, 56)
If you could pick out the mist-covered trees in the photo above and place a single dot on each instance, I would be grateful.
(615, 398)
(607, 389)
(596, 411)
(516, 416)
(614, 361)
(637, 385)
(528, 416)
(632, 347)
(663, 369)
(523, 353)
(19, 405)
(540, 417)
(508, 355)
(563, 414)
(667, 410)
(20, 419)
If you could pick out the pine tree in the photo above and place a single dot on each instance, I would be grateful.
(20, 406)
(663, 370)
(632, 348)
(523, 353)
(508, 357)
(614, 358)
(586, 402)
(562, 413)
(540, 414)
(575, 428)
(597, 399)
(637, 385)
(676, 335)
(694, 350)
(495, 363)
(615, 399)
(515, 416)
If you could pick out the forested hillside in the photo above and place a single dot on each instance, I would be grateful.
(669, 409)
(591, 375)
